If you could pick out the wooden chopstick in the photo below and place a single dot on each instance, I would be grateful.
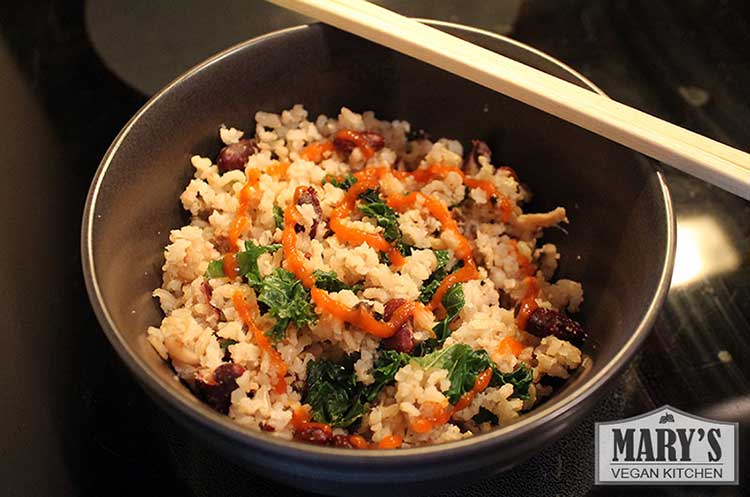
(712, 161)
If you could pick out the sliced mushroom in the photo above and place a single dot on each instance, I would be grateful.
(533, 222)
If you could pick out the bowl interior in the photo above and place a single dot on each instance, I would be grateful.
(617, 242)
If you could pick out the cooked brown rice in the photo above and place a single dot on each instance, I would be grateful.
(285, 186)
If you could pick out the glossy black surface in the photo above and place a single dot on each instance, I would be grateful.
(75, 423)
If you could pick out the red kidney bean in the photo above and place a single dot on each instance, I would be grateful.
(402, 340)
(235, 156)
(217, 391)
(228, 372)
(208, 291)
(544, 322)
(315, 433)
(310, 196)
(341, 441)
(376, 141)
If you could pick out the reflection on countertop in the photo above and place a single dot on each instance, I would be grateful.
(703, 250)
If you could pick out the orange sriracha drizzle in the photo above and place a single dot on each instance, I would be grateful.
(361, 318)
(300, 417)
(261, 340)
(294, 259)
(390, 442)
(366, 179)
(463, 248)
(425, 174)
(358, 317)
(434, 414)
(278, 169)
(432, 171)
(510, 345)
(315, 151)
(301, 420)
(528, 303)
(241, 219)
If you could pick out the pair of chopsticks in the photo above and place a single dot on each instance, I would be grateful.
(697, 155)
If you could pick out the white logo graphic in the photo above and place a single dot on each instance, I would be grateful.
(666, 446)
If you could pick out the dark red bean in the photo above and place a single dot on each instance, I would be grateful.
(314, 434)
(235, 156)
(341, 441)
(390, 307)
(402, 340)
(208, 291)
(375, 141)
(228, 372)
(217, 391)
(544, 322)
(266, 427)
(471, 162)
(310, 196)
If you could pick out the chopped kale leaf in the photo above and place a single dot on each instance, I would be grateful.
(215, 269)
(463, 365)
(330, 282)
(453, 301)
(384, 370)
(287, 301)
(333, 393)
(278, 217)
(432, 283)
(226, 342)
(485, 416)
(521, 379)
(344, 183)
(372, 205)
(247, 263)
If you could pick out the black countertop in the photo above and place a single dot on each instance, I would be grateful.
(75, 423)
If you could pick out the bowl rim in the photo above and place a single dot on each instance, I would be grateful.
(223, 426)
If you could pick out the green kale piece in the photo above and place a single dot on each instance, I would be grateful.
(287, 301)
(330, 282)
(278, 217)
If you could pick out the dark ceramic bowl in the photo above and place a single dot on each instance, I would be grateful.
(620, 242)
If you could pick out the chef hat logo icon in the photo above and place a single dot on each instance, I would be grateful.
(666, 418)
